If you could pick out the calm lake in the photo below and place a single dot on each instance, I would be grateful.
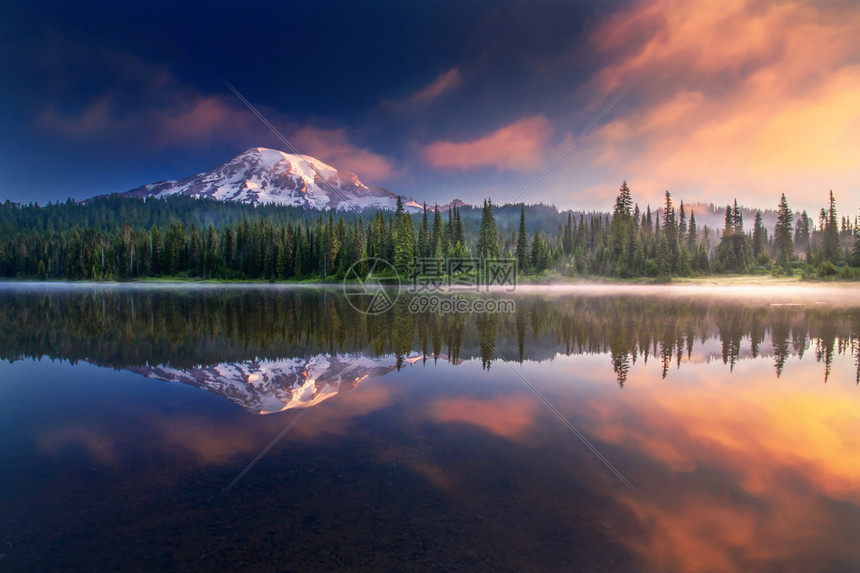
(278, 428)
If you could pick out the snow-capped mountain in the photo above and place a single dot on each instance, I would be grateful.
(267, 386)
(261, 175)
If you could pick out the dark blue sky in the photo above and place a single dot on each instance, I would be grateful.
(429, 99)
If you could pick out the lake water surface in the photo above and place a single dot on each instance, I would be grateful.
(277, 428)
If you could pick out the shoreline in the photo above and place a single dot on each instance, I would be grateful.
(709, 281)
(778, 289)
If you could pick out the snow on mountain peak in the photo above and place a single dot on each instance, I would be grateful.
(269, 386)
(261, 175)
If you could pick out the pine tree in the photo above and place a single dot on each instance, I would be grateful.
(682, 223)
(448, 239)
(855, 253)
(734, 246)
(436, 235)
(737, 219)
(801, 232)
(758, 237)
(210, 264)
(301, 256)
(567, 240)
(377, 236)
(538, 253)
(424, 235)
(692, 233)
(522, 242)
(404, 240)
(782, 243)
(488, 237)
(729, 226)
(329, 247)
(343, 248)
(623, 202)
(390, 238)
(832, 248)
(664, 255)
(457, 233)
(670, 231)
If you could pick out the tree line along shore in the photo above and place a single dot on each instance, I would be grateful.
(119, 238)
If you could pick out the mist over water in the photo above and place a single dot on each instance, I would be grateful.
(126, 410)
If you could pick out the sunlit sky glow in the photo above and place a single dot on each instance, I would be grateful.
(438, 100)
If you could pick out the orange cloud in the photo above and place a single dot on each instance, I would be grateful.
(520, 146)
(179, 118)
(439, 476)
(145, 104)
(443, 83)
(197, 119)
(504, 416)
(95, 118)
(216, 444)
(333, 147)
(169, 113)
(785, 457)
(205, 117)
(101, 447)
(335, 416)
(741, 99)
(208, 443)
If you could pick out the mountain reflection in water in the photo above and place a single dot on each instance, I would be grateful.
(736, 419)
(218, 338)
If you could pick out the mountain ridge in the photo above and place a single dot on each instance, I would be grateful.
(261, 175)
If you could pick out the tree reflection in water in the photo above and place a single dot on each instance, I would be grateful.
(189, 328)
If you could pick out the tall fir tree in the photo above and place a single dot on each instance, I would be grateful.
(538, 256)
(522, 243)
(801, 231)
(436, 234)
(567, 239)
(621, 232)
(488, 236)
(783, 246)
(855, 252)
(832, 250)
(424, 250)
(458, 234)
(759, 241)
(682, 223)
(623, 202)
(737, 219)
(692, 233)
(670, 230)
(734, 251)
(404, 240)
